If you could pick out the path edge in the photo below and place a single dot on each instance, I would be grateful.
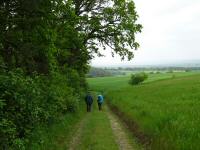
(132, 126)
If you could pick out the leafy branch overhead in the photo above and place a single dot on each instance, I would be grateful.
(37, 35)
(108, 23)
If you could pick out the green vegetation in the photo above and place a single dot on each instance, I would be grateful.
(165, 110)
(97, 133)
(45, 49)
(30, 102)
(119, 82)
(100, 72)
(58, 135)
(138, 78)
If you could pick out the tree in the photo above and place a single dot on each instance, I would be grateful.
(45, 49)
(108, 23)
(26, 35)
(138, 78)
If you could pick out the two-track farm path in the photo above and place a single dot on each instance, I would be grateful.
(101, 130)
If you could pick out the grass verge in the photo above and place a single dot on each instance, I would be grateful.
(132, 127)
(58, 135)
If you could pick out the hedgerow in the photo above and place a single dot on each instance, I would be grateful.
(27, 102)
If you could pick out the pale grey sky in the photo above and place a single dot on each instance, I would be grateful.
(171, 33)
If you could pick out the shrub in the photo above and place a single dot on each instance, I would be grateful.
(138, 78)
(20, 107)
(30, 101)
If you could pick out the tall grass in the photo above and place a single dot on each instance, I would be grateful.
(119, 82)
(165, 110)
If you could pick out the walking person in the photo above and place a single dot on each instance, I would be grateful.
(89, 101)
(100, 100)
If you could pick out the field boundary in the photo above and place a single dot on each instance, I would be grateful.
(141, 137)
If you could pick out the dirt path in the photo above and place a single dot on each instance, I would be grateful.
(101, 127)
(119, 133)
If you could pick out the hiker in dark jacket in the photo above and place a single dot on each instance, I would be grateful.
(100, 101)
(89, 101)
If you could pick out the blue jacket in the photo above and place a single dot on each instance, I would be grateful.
(100, 99)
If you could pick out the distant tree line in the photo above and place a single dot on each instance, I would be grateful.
(100, 72)
(45, 49)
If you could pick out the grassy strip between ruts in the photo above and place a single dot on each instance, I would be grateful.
(97, 133)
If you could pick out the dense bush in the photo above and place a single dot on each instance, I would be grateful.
(27, 102)
(138, 78)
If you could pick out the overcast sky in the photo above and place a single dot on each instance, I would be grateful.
(171, 33)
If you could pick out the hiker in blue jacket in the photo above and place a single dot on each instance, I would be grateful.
(89, 101)
(100, 101)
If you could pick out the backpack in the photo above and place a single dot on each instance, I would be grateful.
(100, 99)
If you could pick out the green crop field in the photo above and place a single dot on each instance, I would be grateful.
(165, 107)
(119, 82)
